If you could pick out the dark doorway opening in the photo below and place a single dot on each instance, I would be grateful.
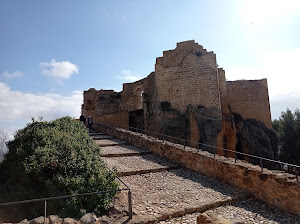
(136, 119)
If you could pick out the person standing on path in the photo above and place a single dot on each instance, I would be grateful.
(82, 119)
(90, 123)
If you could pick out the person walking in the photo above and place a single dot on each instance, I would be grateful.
(90, 123)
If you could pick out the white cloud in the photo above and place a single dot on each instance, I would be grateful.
(283, 75)
(20, 106)
(15, 74)
(59, 70)
(129, 76)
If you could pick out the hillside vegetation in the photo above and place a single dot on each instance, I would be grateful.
(52, 159)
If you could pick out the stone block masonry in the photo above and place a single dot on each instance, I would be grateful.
(274, 187)
(250, 98)
(187, 75)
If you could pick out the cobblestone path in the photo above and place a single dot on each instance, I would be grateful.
(163, 192)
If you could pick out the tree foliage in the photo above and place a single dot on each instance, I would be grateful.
(287, 128)
(53, 159)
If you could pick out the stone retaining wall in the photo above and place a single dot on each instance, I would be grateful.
(274, 187)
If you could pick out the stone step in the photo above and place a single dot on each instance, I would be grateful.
(127, 154)
(123, 150)
(174, 193)
(134, 165)
(163, 192)
(145, 171)
(99, 137)
(96, 133)
(110, 142)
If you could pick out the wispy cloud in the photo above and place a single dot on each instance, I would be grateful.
(12, 75)
(16, 105)
(59, 70)
(129, 76)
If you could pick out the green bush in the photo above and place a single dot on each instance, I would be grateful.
(53, 159)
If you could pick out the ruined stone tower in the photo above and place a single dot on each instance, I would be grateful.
(187, 96)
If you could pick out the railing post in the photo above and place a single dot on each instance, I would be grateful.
(183, 143)
(261, 165)
(45, 214)
(214, 153)
(129, 205)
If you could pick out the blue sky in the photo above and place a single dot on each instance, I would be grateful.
(51, 51)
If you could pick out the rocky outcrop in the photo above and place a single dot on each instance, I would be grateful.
(255, 138)
(207, 127)
(202, 125)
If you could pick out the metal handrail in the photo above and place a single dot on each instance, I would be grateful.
(163, 136)
(77, 195)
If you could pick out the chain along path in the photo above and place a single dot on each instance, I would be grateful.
(165, 192)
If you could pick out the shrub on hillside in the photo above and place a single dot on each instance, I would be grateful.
(53, 159)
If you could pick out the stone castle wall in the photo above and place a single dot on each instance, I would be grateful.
(188, 97)
(187, 75)
(223, 91)
(118, 119)
(132, 95)
(250, 99)
(99, 102)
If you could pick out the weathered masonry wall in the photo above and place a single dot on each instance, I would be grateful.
(118, 119)
(187, 75)
(250, 98)
(99, 102)
(223, 91)
(188, 97)
(274, 187)
(132, 98)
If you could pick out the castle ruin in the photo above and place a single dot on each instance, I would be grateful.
(187, 96)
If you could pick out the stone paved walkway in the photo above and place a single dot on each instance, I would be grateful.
(110, 142)
(163, 192)
(141, 164)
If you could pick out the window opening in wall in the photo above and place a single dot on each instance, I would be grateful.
(140, 95)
